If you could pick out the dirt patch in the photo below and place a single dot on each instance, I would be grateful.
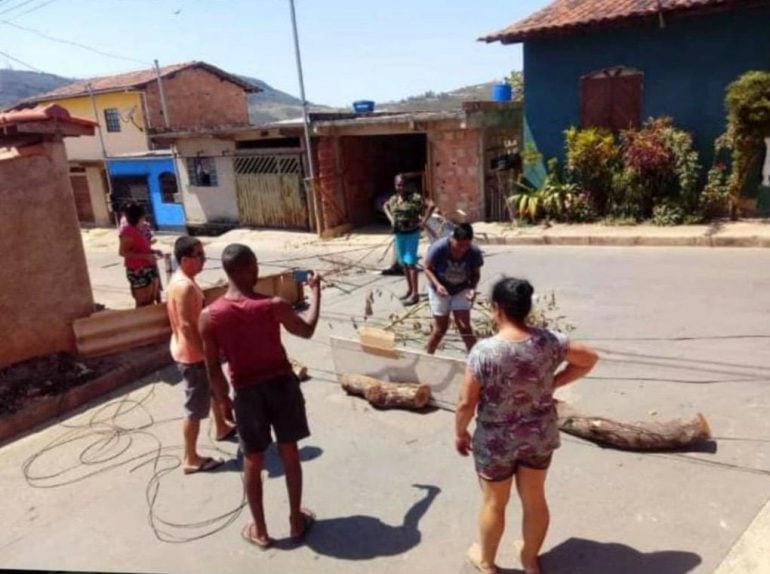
(47, 376)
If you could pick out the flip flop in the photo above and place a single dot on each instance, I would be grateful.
(308, 519)
(261, 544)
(229, 435)
(206, 465)
(473, 555)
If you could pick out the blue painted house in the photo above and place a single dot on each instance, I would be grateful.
(149, 178)
(614, 63)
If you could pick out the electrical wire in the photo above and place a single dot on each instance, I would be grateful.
(23, 63)
(33, 9)
(106, 441)
(72, 43)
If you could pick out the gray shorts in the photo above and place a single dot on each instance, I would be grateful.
(277, 404)
(197, 393)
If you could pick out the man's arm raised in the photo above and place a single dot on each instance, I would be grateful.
(301, 324)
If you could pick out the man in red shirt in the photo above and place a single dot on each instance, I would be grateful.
(245, 328)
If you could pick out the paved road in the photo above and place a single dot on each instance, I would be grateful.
(680, 331)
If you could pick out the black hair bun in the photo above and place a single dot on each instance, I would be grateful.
(524, 289)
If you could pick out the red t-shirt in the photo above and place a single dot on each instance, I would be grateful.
(249, 335)
(139, 244)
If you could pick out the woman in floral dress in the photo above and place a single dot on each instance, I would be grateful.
(511, 378)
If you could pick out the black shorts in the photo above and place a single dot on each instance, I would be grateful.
(276, 404)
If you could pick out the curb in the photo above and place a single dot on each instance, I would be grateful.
(628, 241)
(49, 408)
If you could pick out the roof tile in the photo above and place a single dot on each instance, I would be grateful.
(562, 15)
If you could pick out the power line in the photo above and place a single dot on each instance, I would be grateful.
(16, 7)
(33, 9)
(23, 63)
(71, 43)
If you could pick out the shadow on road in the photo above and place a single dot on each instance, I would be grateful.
(580, 556)
(361, 537)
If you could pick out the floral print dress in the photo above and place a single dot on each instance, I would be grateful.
(516, 421)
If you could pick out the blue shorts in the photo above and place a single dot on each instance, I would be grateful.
(406, 247)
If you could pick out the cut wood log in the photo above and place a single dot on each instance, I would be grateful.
(384, 394)
(635, 436)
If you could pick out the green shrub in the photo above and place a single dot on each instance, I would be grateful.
(660, 166)
(714, 200)
(668, 213)
(592, 156)
(748, 123)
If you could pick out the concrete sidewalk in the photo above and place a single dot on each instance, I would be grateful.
(748, 233)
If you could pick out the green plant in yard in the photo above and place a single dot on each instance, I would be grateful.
(660, 166)
(748, 123)
(714, 200)
(592, 155)
(528, 203)
(668, 213)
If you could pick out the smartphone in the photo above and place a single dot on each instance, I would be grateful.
(301, 275)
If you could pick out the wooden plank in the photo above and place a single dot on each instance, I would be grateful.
(110, 331)
(442, 374)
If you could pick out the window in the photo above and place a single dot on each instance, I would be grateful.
(202, 171)
(112, 119)
(168, 190)
(611, 99)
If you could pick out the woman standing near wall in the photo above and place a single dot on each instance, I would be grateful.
(408, 212)
(139, 257)
(511, 378)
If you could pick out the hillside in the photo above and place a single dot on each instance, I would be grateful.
(442, 101)
(274, 105)
(267, 106)
(16, 85)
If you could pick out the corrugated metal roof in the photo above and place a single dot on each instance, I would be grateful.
(566, 15)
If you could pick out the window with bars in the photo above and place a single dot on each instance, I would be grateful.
(202, 171)
(112, 119)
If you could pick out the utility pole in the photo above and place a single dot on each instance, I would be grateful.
(163, 106)
(104, 152)
(306, 120)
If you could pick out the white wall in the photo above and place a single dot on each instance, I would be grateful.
(208, 204)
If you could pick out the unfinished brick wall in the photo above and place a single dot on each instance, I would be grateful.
(44, 278)
(456, 166)
(329, 184)
(196, 99)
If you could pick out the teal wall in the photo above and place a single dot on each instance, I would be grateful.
(687, 66)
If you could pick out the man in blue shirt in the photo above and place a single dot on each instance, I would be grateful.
(453, 268)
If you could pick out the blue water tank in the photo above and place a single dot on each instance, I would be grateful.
(501, 93)
(363, 106)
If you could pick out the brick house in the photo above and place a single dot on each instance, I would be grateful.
(130, 108)
(259, 171)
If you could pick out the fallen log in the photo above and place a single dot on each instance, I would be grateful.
(635, 436)
(384, 394)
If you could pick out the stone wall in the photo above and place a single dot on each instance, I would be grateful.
(44, 283)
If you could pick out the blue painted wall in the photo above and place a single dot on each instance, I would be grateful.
(165, 215)
(687, 66)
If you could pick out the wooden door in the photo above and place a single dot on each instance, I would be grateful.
(611, 99)
(82, 195)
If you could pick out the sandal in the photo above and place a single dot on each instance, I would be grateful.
(474, 559)
(308, 519)
(261, 543)
(205, 465)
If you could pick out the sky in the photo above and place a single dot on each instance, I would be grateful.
(351, 49)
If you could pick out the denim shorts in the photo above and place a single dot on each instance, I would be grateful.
(407, 245)
(442, 306)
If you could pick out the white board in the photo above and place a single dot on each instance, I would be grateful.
(442, 374)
